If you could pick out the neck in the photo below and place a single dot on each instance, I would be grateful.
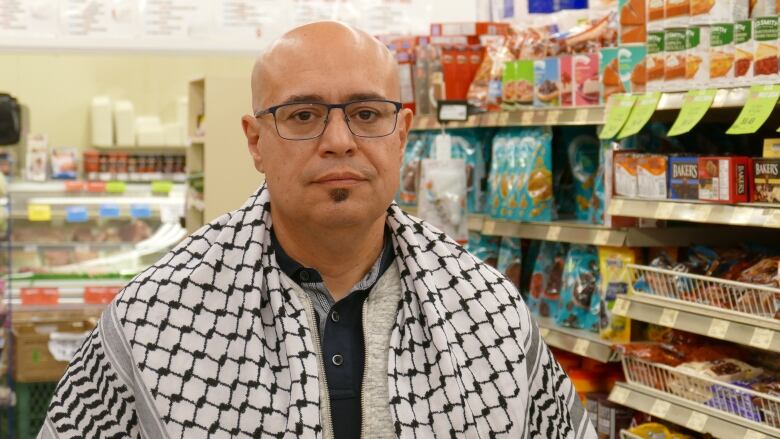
(341, 256)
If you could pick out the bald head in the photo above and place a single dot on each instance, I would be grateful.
(323, 48)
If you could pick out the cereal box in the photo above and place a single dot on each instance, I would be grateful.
(633, 21)
(721, 56)
(586, 79)
(765, 50)
(677, 12)
(697, 41)
(684, 178)
(766, 180)
(609, 72)
(676, 60)
(625, 168)
(651, 176)
(567, 80)
(724, 179)
(743, 51)
(655, 61)
(547, 89)
(633, 71)
(524, 82)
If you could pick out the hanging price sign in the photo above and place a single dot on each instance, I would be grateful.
(694, 107)
(760, 103)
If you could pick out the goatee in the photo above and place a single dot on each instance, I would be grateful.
(339, 195)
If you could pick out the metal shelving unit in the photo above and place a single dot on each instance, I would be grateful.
(578, 341)
(758, 215)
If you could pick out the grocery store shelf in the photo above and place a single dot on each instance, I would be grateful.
(759, 332)
(521, 117)
(198, 139)
(75, 246)
(689, 414)
(578, 341)
(180, 149)
(759, 215)
(67, 187)
(476, 221)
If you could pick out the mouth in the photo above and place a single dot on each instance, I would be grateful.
(340, 179)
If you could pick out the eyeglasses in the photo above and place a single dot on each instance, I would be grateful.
(305, 121)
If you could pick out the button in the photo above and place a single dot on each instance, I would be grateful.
(334, 316)
(304, 276)
(337, 360)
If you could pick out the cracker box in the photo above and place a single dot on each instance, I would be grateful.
(625, 170)
(633, 22)
(633, 70)
(765, 48)
(724, 179)
(587, 90)
(683, 178)
(721, 54)
(609, 72)
(675, 61)
(547, 88)
(743, 51)
(766, 180)
(697, 41)
(677, 12)
(567, 80)
(655, 61)
(651, 176)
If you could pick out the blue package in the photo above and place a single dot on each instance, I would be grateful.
(466, 145)
(484, 247)
(543, 6)
(530, 175)
(684, 178)
(498, 185)
(510, 257)
(573, 4)
(576, 166)
(580, 299)
(546, 280)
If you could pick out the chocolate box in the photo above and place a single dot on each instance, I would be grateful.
(724, 179)
(651, 176)
(766, 181)
(684, 178)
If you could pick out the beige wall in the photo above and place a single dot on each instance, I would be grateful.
(58, 87)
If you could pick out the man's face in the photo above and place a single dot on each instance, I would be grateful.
(338, 179)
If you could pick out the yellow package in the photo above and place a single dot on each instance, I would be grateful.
(615, 281)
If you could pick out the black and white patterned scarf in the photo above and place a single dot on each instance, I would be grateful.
(209, 343)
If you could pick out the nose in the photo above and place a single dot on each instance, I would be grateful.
(337, 139)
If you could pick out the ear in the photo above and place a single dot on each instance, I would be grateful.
(405, 118)
(252, 132)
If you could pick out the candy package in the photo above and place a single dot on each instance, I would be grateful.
(531, 197)
(486, 89)
(64, 163)
(545, 287)
(416, 149)
(580, 300)
(442, 198)
(615, 282)
(467, 146)
(484, 247)
(498, 178)
(582, 147)
(510, 255)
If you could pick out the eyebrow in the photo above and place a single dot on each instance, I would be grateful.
(315, 98)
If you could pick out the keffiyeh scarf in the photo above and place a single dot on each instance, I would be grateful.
(209, 343)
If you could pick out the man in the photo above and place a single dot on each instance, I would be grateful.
(319, 309)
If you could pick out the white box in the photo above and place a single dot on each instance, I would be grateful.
(124, 122)
(102, 122)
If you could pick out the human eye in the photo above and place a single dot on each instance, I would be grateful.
(302, 114)
(364, 113)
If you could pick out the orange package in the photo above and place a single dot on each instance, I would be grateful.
(633, 21)
(625, 169)
(651, 176)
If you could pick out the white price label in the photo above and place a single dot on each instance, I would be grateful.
(664, 211)
(527, 117)
(741, 215)
(619, 395)
(503, 119)
(544, 331)
(581, 347)
(553, 233)
(581, 116)
(489, 227)
(718, 328)
(490, 119)
(602, 237)
(660, 408)
(774, 220)
(668, 318)
(553, 116)
(621, 307)
(762, 338)
(752, 434)
(702, 212)
(616, 206)
(697, 421)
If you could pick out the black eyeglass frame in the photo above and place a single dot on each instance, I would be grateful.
(343, 106)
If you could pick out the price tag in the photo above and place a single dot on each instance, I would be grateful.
(81, 248)
(774, 220)
(109, 211)
(116, 187)
(74, 186)
(718, 328)
(39, 212)
(694, 107)
(741, 215)
(759, 105)
(660, 408)
(697, 421)
(668, 318)
(581, 116)
(664, 211)
(76, 214)
(752, 434)
(618, 109)
(641, 113)
(581, 347)
(602, 237)
(503, 119)
(96, 187)
(621, 306)
(40, 296)
(489, 227)
(490, 119)
(100, 295)
(527, 117)
(702, 212)
(616, 206)
(162, 187)
(140, 211)
(762, 338)
(619, 395)
(553, 117)
(553, 233)
(544, 331)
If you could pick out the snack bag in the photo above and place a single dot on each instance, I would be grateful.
(615, 281)
(416, 149)
(531, 196)
(466, 146)
(510, 255)
(545, 287)
(582, 147)
(442, 200)
(580, 301)
(484, 247)
(498, 185)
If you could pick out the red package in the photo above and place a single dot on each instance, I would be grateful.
(724, 179)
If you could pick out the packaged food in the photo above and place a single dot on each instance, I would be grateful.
(625, 168)
(486, 89)
(677, 12)
(771, 149)
(612, 419)
(510, 255)
(567, 80)
(697, 42)
(582, 148)
(416, 149)
(633, 21)
(508, 86)
(547, 278)
(675, 63)
(684, 178)
(586, 79)
(442, 198)
(615, 281)
(724, 179)
(743, 51)
(656, 15)
(547, 88)
(466, 145)
(721, 54)
(531, 195)
(592, 406)
(650, 430)
(718, 11)
(580, 300)
(37, 158)
(726, 370)
(609, 72)
(764, 272)
(766, 180)
(524, 82)
(633, 69)
(655, 60)
(64, 163)
(761, 8)
(765, 48)
(484, 247)
(499, 179)
(651, 176)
